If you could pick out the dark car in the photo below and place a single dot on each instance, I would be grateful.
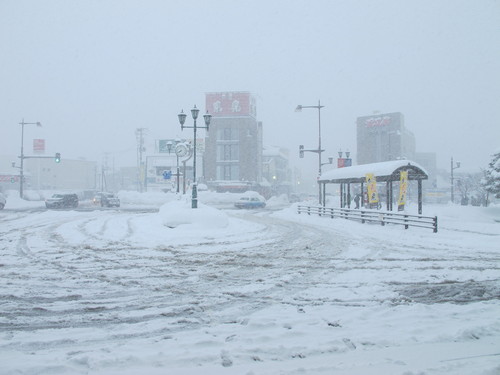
(62, 201)
(109, 200)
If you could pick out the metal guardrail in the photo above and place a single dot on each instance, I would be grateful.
(382, 217)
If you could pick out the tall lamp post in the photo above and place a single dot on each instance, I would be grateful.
(319, 150)
(182, 119)
(21, 169)
(452, 168)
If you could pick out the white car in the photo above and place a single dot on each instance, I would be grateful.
(250, 202)
(2, 201)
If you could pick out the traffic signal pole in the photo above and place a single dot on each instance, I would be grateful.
(57, 159)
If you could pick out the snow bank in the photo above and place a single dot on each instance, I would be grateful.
(180, 212)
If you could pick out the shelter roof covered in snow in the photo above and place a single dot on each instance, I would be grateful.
(384, 171)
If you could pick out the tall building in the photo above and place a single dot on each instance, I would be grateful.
(383, 137)
(233, 145)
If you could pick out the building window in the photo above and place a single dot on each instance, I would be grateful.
(228, 172)
(228, 152)
(227, 134)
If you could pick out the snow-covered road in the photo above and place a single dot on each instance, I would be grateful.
(106, 291)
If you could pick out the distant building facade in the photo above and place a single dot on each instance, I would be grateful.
(276, 170)
(428, 161)
(46, 174)
(383, 137)
(233, 145)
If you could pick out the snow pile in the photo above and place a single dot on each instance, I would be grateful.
(180, 212)
(149, 198)
(281, 200)
(14, 201)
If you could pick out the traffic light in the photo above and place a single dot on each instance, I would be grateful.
(301, 151)
(58, 157)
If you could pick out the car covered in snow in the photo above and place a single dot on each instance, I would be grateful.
(62, 201)
(3, 201)
(250, 202)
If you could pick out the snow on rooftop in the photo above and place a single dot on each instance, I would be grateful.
(385, 168)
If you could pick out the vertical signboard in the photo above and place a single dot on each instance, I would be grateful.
(403, 187)
(371, 184)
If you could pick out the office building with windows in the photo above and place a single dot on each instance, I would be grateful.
(233, 145)
(383, 137)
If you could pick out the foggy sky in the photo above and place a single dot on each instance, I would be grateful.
(94, 71)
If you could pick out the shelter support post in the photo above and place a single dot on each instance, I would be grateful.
(420, 197)
(348, 195)
(341, 195)
(387, 195)
(392, 196)
(362, 195)
(324, 194)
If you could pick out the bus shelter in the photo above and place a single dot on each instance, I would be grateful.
(388, 172)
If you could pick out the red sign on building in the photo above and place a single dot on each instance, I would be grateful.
(225, 104)
(39, 146)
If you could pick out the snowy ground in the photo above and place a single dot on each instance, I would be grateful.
(229, 291)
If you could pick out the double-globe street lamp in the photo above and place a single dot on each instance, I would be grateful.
(21, 169)
(319, 150)
(182, 119)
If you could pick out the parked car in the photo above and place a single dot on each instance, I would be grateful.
(250, 202)
(109, 200)
(97, 197)
(62, 201)
(3, 201)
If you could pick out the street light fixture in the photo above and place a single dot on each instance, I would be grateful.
(453, 167)
(21, 169)
(330, 161)
(182, 119)
(319, 150)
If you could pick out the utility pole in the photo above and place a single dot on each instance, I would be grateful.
(139, 134)
(104, 185)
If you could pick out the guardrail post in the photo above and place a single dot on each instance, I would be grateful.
(309, 210)
(362, 217)
(435, 224)
(406, 221)
(381, 216)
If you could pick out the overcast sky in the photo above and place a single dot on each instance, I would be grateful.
(94, 71)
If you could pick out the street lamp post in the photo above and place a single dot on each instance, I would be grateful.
(21, 169)
(182, 119)
(319, 150)
(452, 168)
